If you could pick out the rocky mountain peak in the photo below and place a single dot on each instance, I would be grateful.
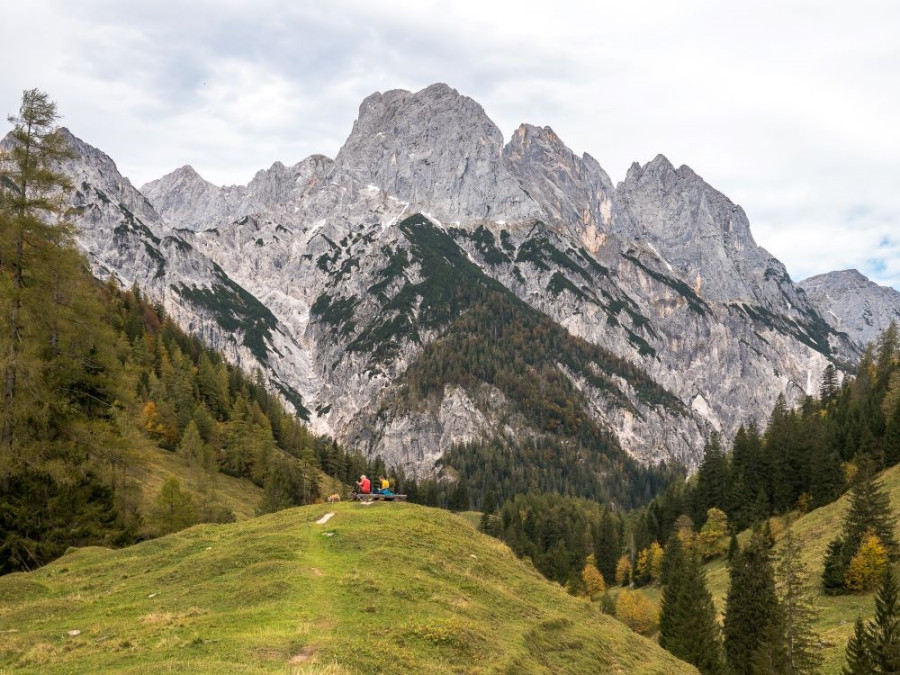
(572, 190)
(695, 228)
(852, 303)
(437, 150)
(186, 201)
(182, 177)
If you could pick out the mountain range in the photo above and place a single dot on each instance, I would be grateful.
(433, 288)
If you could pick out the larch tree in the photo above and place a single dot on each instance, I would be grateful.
(802, 644)
(30, 212)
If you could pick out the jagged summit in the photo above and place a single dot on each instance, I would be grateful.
(697, 230)
(571, 190)
(186, 201)
(852, 303)
(437, 150)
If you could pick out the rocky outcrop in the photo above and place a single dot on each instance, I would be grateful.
(436, 150)
(573, 191)
(125, 239)
(699, 232)
(187, 201)
(852, 304)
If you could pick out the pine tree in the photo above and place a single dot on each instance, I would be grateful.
(798, 612)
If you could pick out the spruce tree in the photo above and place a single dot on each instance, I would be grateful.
(874, 648)
(892, 437)
(711, 489)
(607, 547)
(828, 389)
(752, 611)
(870, 509)
(687, 620)
(859, 652)
(836, 561)
(884, 629)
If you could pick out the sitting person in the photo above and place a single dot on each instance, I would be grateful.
(364, 485)
(385, 488)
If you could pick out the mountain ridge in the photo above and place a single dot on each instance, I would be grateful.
(604, 262)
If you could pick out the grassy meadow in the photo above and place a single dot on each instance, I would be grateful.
(386, 587)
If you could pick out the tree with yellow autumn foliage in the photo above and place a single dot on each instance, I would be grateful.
(593, 580)
(648, 564)
(636, 611)
(867, 566)
(623, 570)
(713, 537)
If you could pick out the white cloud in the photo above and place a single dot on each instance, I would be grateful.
(789, 108)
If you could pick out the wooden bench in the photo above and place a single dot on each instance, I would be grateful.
(375, 497)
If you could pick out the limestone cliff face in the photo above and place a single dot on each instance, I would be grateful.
(700, 233)
(438, 151)
(344, 287)
(851, 303)
(187, 201)
(124, 238)
(573, 192)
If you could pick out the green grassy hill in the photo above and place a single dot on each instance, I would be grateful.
(388, 587)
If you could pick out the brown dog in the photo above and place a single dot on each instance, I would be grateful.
(334, 498)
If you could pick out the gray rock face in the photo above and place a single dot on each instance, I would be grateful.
(125, 239)
(852, 304)
(572, 191)
(661, 271)
(700, 233)
(436, 150)
(186, 201)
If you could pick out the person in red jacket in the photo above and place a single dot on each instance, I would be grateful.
(364, 485)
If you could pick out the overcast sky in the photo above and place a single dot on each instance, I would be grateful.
(790, 108)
